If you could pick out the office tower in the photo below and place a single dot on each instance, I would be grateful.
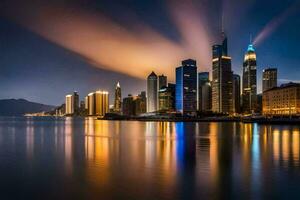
(236, 93)
(206, 97)
(162, 81)
(152, 93)
(72, 103)
(76, 102)
(128, 106)
(249, 81)
(142, 103)
(186, 87)
(221, 79)
(91, 103)
(134, 105)
(204, 91)
(172, 88)
(98, 103)
(275, 101)
(86, 103)
(269, 78)
(118, 99)
(69, 104)
(166, 98)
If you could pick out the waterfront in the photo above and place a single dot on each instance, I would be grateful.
(56, 158)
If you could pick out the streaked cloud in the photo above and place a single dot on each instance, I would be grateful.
(109, 45)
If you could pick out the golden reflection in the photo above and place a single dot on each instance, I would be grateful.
(68, 143)
(100, 149)
(295, 147)
(213, 152)
(276, 145)
(285, 146)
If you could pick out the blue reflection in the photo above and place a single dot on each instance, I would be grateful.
(255, 158)
(179, 126)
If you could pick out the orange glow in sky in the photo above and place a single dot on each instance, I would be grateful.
(106, 44)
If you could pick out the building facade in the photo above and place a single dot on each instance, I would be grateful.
(166, 98)
(162, 81)
(134, 105)
(282, 101)
(72, 104)
(186, 87)
(204, 92)
(236, 93)
(118, 99)
(249, 81)
(221, 79)
(269, 79)
(152, 92)
(98, 103)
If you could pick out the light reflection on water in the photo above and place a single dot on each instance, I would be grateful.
(147, 160)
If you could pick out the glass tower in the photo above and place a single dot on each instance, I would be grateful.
(221, 78)
(186, 87)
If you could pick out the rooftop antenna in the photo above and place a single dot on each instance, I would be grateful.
(250, 38)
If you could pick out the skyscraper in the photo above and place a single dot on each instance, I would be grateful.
(221, 78)
(162, 81)
(152, 93)
(69, 104)
(249, 81)
(72, 103)
(98, 103)
(134, 105)
(269, 78)
(186, 87)
(118, 99)
(204, 91)
(236, 93)
(166, 98)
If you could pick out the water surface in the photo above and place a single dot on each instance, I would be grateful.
(65, 158)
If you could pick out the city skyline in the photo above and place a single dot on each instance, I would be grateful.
(51, 68)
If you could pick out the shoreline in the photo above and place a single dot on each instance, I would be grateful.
(280, 121)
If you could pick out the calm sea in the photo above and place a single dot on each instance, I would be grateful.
(66, 158)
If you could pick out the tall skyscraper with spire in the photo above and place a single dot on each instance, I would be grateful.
(152, 92)
(222, 101)
(249, 81)
(118, 99)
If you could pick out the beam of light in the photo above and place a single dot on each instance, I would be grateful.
(189, 18)
(275, 23)
(109, 45)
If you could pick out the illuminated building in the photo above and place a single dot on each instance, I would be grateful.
(98, 103)
(283, 100)
(269, 78)
(186, 87)
(69, 109)
(162, 81)
(166, 98)
(152, 93)
(236, 93)
(221, 79)
(118, 99)
(204, 92)
(249, 81)
(72, 103)
(134, 105)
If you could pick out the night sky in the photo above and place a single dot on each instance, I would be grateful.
(51, 49)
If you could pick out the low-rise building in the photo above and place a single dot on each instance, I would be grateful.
(282, 101)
